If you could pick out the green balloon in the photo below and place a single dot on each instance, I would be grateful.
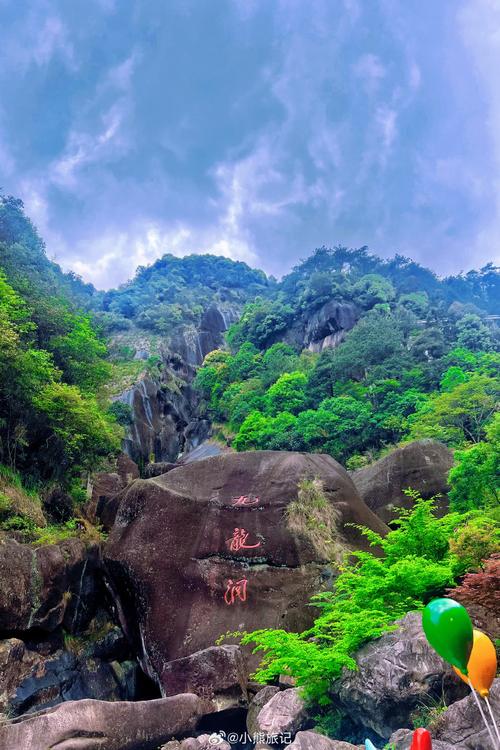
(448, 628)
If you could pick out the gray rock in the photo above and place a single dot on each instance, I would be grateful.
(218, 674)
(37, 585)
(284, 714)
(108, 726)
(398, 673)
(402, 739)
(257, 704)
(203, 742)
(422, 465)
(314, 741)
(32, 680)
(461, 725)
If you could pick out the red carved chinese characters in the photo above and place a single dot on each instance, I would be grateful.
(239, 541)
(245, 501)
(236, 590)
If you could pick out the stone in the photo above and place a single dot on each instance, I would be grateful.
(34, 677)
(256, 705)
(422, 465)
(480, 594)
(398, 673)
(326, 328)
(16, 664)
(37, 585)
(218, 674)
(283, 715)
(403, 738)
(126, 469)
(88, 724)
(182, 576)
(203, 742)
(315, 741)
(157, 469)
(461, 725)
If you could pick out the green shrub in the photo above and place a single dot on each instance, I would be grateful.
(370, 593)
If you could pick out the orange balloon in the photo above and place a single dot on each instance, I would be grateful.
(482, 664)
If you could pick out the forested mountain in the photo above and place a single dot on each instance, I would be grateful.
(417, 361)
(348, 354)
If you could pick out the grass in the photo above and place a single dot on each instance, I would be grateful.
(313, 516)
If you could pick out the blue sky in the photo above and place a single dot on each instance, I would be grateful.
(255, 129)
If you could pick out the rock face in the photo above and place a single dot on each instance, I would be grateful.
(37, 585)
(398, 673)
(326, 328)
(480, 594)
(422, 465)
(164, 418)
(403, 738)
(218, 674)
(206, 549)
(40, 675)
(89, 724)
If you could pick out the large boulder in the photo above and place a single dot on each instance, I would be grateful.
(89, 724)
(282, 716)
(480, 594)
(398, 673)
(218, 674)
(207, 548)
(38, 584)
(422, 465)
(257, 704)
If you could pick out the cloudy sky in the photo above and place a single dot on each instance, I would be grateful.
(255, 129)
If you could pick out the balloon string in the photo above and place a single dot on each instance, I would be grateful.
(476, 697)
(495, 725)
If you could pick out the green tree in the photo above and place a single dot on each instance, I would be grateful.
(475, 478)
(473, 334)
(287, 394)
(458, 416)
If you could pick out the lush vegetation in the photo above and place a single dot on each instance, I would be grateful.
(52, 363)
(418, 562)
(172, 294)
(415, 365)
(421, 362)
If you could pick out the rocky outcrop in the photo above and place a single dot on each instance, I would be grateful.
(480, 594)
(398, 673)
(206, 549)
(38, 585)
(326, 328)
(218, 674)
(164, 407)
(422, 465)
(89, 724)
